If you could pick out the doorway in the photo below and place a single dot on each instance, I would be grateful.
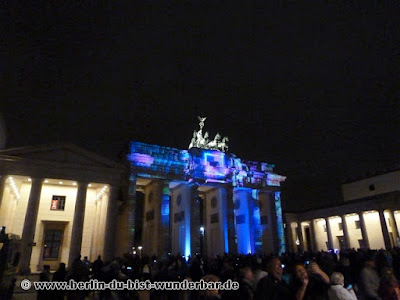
(52, 244)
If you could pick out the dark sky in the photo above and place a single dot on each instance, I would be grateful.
(312, 88)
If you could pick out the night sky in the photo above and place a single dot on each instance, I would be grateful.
(312, 88)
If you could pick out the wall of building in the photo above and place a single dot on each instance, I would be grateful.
(371, 186)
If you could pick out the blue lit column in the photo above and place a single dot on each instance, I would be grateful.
(268, 221)
(230, 216)
(165, 246)
(241, 196)
(132, 211)
(279, 223)
(195, 220)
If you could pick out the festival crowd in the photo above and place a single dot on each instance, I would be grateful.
(351, 274)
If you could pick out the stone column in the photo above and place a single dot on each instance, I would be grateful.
(2, 186)
(300, 236)
(385, 231)
(329, 233)
(312, 233)
(77, 225)
(230, 214)
(346, 235)
(111, 221)
(93, 246)
(289, 236)
(393, 225)
(164, 232)
(363, 228)
(195, 220)
(28, 231)
(132, 211)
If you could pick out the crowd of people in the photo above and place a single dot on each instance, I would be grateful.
(351, 274)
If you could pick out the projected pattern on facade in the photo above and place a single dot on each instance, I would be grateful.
(201, 165)
(217, 168)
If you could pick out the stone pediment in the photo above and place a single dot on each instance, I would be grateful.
(60, 153)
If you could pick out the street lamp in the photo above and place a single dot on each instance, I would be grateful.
(140, 251)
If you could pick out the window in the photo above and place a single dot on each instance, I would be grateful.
(340, 226)
(52, 242)
(357, 223)
(57, 203)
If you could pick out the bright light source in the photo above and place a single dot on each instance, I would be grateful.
(74, 183)
(202, 229)
(60, 182)
(89, 185)
(29, 179)
(46, 181)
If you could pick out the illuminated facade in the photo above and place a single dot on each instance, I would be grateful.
(59, 201)
(369, 217)
(205, 201)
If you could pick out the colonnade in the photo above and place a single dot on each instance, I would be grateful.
(373, 229)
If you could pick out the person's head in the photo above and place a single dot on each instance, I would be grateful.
(246, 273)
(61, 267)
(370, 262)
(300, 272)
(210, 278)
(274, 267)
(337, 278)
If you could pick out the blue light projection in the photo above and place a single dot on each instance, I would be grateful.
(200, 165)
(206, 166)
(244, 244)
(165, 199)
(279, 223)
(257, 228)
